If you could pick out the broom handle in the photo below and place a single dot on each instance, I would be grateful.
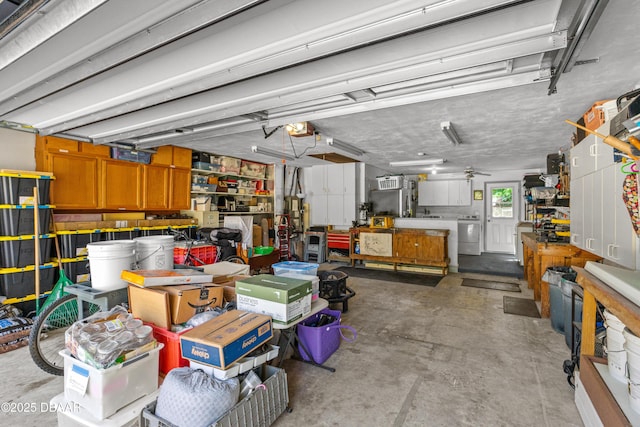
(36, 232)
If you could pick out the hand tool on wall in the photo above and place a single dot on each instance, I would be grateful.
(631, 150)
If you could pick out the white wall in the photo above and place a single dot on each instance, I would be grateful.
(17, 150)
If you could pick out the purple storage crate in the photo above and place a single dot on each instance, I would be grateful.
(321, 341)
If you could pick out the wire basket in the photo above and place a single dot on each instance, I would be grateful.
(389, 182)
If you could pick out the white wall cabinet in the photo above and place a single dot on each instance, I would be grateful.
(577, 212)
(619, 240)
(460, 192)
(334, 194)
(444, 193)
(591, 154)
(600, 222)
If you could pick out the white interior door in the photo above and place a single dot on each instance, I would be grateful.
(501, 206)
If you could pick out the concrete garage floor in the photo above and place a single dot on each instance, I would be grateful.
(425, 356)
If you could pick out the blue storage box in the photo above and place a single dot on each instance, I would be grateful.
(296, 267)
(130, 155)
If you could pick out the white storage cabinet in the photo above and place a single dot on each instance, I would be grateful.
(333, 192)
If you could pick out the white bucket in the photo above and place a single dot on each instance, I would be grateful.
(616, 354)
(107, 260)
(632, 347)
(154, 252)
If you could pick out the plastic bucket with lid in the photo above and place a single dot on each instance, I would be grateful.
(107, 260)
(632, 349)
(616, 354)
(154, 252)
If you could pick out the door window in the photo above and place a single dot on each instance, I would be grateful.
(502, 202)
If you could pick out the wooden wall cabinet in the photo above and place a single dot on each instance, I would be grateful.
(121, 185)
(169, 155)
(87, 178)
(179, 180)
(77, 180)
(156, 187)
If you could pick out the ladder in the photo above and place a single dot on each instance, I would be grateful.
(284, 237)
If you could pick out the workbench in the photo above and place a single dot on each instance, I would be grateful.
(599, 387)
(538, 256)
(410, 246)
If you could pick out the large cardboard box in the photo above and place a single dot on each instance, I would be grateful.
(167, 305)
(285, 299)
(227, 338)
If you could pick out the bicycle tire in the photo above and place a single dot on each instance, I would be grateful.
(46, 338)
(235, 259)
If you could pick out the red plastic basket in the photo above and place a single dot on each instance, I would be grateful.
(205, 253)
(170, 356)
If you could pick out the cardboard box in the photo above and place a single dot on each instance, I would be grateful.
(167, 305)
(188, 300)
(84, 225)
(144, 278)
(285, 299)
(204, 218)
(122, 216)
(227, 338)
(257, 235)
(228, 284)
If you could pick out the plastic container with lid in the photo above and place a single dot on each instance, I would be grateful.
(108, 351)
(143, 334)
(133, 324)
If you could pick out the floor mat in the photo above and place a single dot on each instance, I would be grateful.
(488, 263)
(391, 276)
(485, 284)
(520, 306)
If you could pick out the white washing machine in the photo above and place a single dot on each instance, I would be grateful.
(469, 236)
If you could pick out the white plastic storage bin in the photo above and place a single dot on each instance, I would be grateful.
(241, 366)
(108, 390)
(71, 414)
(295, 267)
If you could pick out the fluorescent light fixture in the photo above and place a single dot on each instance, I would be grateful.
(271, 153)
(345, 147)
(423, 162)
(450, 133)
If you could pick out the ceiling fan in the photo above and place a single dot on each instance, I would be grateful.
(469, 173)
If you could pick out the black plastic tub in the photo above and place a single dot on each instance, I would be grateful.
(21, 252)
(18, 220)
(15, 190)
(77, 270)
(73, 244)
(19, 283)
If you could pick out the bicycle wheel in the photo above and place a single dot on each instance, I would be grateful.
(46, 338)
(235, 259)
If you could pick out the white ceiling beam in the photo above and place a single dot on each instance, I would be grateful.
(282, 38)
(368, 68)
(67, 58)
(50, 19)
